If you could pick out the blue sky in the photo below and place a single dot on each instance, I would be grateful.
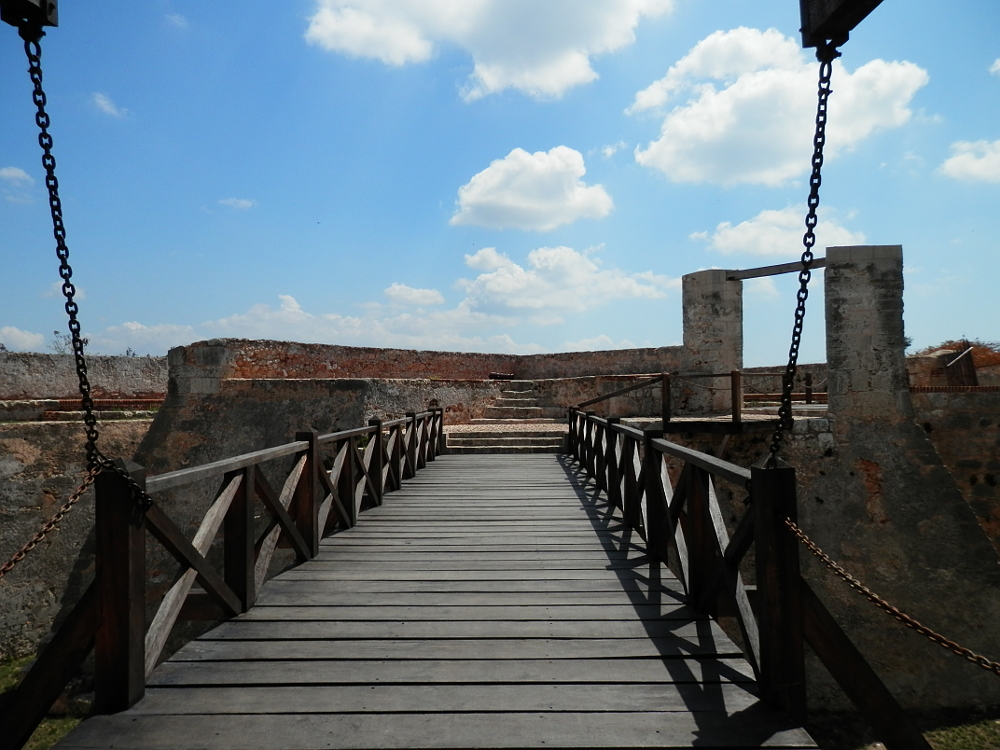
(490, 175)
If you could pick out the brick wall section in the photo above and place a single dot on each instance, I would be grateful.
(199, 367)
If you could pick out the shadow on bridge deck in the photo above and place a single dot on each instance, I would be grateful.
(495, 601)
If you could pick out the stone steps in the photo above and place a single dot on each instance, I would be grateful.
(496, 449)
(497, 432)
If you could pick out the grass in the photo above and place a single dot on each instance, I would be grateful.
(944, 730)
(53, 728)
(978, 736)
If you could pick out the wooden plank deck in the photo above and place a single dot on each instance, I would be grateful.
(492, 602)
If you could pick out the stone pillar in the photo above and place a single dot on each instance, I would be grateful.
(881, 503)
(864, 333)
(198, 368)
(713, 339)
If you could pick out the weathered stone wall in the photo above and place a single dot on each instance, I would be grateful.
(40, 376)
(965, 431)
(567, 392)
(41, 463)
(881, 502)
(199, 367)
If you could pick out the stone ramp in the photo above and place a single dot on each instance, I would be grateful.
(492, 602)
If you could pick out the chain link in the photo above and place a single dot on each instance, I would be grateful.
(51, 524)
(826, 53)
(895, 612)
(31, 34)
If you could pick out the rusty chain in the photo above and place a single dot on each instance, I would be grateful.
(826, 53)
(895, 612)
(51, 524)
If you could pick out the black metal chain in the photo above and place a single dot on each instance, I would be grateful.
(826, 53)
(31, 34)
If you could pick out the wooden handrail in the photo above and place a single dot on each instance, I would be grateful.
(681, 520)
(172, 479)
(311, 501)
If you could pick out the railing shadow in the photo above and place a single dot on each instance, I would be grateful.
(696, 664)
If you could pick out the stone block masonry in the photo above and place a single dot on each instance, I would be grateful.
(25, 375)
(881, 501)
(713, 336)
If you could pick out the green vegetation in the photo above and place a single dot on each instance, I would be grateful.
(981, 735)
(53, 728)
(50, 731)
(944, 730)
(10, 672)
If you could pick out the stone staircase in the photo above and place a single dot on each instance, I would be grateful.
(517, 422)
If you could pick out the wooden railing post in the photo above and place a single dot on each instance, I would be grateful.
(410, 468)
(600, 457)
(632, 498)
(422, 437)
(809, 387)
(658, 529)
(306, 508)
(442, 446)
(347, 483)
(378, 460)
(782, 661)
(396, 458)
(238, 548)
(120, 568)
(590, 444)
(612, 463)
(665, 399)
(736, 389)
(701, 535)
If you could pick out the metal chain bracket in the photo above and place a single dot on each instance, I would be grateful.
(895, 612)
(826, 53)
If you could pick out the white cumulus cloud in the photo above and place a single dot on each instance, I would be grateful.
(778, 233)
(140, 338)
(739, 108)
(539, 48)
(16, 184)
(240, 204)
(598, 343)
(16, 176)
(555, 281)
(975, 161)
(105, 103)
(995, 67)
(408, 295)
(538, 191)
(17, 340)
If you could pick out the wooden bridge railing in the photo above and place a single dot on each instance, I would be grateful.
(331, 479)
(682, 523)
